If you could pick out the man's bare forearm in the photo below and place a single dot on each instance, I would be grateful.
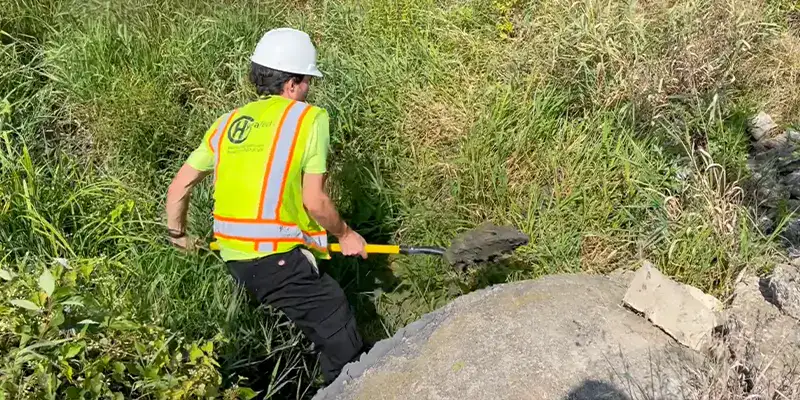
(177, 207)
(178, 196)
(324, 212)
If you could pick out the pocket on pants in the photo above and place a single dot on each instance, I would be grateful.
(335, 322)
(340, 335)
(311, 260)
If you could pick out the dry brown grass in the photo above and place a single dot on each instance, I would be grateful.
(734, 374)
(658, 50)
(436, 120)
(603, 254)
(777, 78)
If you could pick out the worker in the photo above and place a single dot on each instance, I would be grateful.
(271, 211)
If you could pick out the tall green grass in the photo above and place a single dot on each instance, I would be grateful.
(609, 132)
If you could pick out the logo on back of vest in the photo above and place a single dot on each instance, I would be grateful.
(240, 129)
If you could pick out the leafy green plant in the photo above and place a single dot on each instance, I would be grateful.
(59, 343)
(505, 9)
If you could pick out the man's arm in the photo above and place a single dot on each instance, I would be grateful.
(178, 196)
(321, 208)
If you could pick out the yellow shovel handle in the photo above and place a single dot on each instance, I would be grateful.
(371, 248)
(335, 247)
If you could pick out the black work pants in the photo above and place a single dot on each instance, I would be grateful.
(310, 298)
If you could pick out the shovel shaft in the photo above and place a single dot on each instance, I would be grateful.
(393, 249)
(378, 249)
(370, 248)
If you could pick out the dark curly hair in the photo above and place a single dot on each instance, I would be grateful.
(269, 81)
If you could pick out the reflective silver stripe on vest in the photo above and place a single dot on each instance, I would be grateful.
(266, 247)
(258, 231)
(320, 240)
(215, 137)
(283, 147)
(253, 230)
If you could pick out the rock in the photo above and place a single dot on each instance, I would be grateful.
(761, 124)
(784, 286)
(763, 341)
(557, 337)
(781, 158)
(791, 232)
(683, 311)
(766, 225)
(794, 136)
(769, 143)
(622, 276)
(771, 197)
(766, 181)
(792, 182)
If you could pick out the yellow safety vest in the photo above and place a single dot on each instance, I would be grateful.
(258, 199)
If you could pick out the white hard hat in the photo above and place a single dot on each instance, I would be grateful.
(287, 50)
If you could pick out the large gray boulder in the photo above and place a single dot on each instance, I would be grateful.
(764, 342)
(557, 337)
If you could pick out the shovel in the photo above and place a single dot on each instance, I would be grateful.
(486, 243)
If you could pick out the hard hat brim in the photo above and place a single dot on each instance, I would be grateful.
(313, 71)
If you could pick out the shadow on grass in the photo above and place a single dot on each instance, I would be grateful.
(596, 390)
(485, 275)
(368, 210)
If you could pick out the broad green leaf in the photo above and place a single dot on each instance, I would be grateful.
(208, 348)
(195, 353)
(47, 283)
(62, 292)
(96, 384)
(71, 277)
(23, 339)
(247, 393)
(57, 320)
(73, 350)
(26, 304)
(67, 370)
(74, 301)
(151, 373)
(5, 275)
(122, 325)
(119, 367)
(45, 343)
(73, 393)
(211, 391)
(86, 270)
